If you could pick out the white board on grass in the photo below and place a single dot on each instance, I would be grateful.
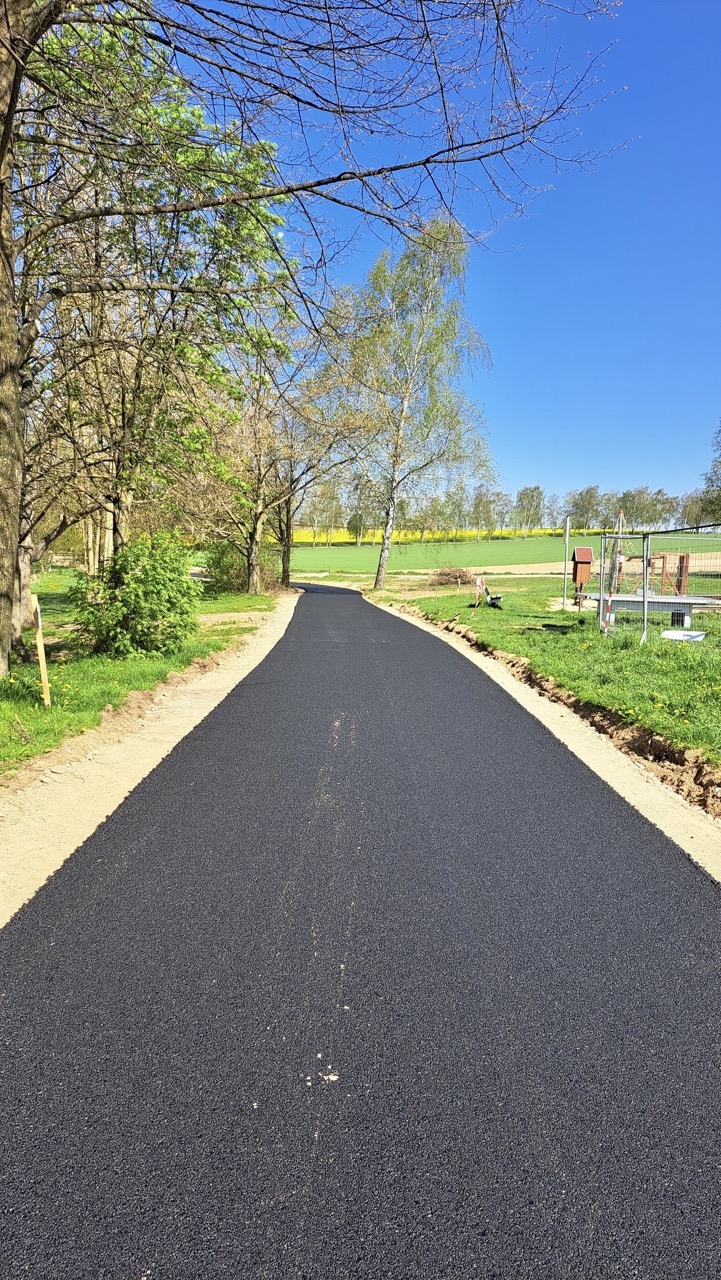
(682, 635)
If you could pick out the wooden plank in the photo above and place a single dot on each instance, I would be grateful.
(41, 649)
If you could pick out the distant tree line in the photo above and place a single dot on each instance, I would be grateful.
(466, 497)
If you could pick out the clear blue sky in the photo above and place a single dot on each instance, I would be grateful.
(602, 306)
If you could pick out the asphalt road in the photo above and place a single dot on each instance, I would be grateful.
(370, 978)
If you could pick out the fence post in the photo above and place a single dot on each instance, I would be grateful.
(601, 584)
(646, 545)
(567, 532)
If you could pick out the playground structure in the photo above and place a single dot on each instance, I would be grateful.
(673, 571)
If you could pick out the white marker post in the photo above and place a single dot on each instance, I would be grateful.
(646, 544)
(41, 649)
(566, 536)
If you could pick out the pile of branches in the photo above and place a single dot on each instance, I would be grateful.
(450, 577)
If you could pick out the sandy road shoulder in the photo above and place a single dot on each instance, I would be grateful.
(58, 800)
(695, 832)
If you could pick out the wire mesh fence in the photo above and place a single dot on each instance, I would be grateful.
(670, 578)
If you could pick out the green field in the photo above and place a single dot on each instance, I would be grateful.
(416, 557)
(672, 689)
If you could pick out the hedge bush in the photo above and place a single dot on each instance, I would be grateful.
(142, 602)
(227, 567)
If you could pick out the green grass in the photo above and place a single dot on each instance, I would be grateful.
(413, 557)
(82, 685)
(671, 689)
(52, 591)
(232, 602)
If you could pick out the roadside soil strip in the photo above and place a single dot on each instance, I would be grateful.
(58, 800)
(549, 568)
(694, 831)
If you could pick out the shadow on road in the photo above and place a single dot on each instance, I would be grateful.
(321, 588)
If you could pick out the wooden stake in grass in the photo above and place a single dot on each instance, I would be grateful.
(41, 649)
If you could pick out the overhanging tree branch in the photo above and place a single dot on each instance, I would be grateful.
(462, 154)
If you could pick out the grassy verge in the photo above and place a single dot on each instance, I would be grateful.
(671, 689)
(232, 602)
(82, 685)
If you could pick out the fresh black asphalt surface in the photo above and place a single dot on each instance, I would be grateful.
(369, 978)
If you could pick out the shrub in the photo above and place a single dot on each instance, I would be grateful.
(227, 567)
(142, 602)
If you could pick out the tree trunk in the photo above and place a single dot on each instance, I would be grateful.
(331, 528)
(90, 546)
(122, 502)
(11, 426)
(286, 542)
(255, 585)
(86, 543)
(107, 519)
(285, 563)
(386, 544)
(22, 606)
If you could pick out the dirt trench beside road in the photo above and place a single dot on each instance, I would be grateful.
(675, 789)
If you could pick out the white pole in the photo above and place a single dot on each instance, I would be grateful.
(601, 585)
(566, 535)
(646, 543)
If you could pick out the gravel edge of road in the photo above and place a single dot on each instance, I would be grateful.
(695, 832)
(43, 823)
(75, 787)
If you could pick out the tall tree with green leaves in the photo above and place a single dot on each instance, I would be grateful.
(131, 314)
(410, 346)
(529, 506)
(583, 507)
(450, 94)
(287, 433)
(690, 511)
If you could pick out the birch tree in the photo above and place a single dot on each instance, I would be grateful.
(529, 506)
(411, 346)
(280, 434)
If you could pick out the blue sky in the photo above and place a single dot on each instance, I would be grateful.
(601, 306)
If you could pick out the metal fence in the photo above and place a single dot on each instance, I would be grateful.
(674, 573)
